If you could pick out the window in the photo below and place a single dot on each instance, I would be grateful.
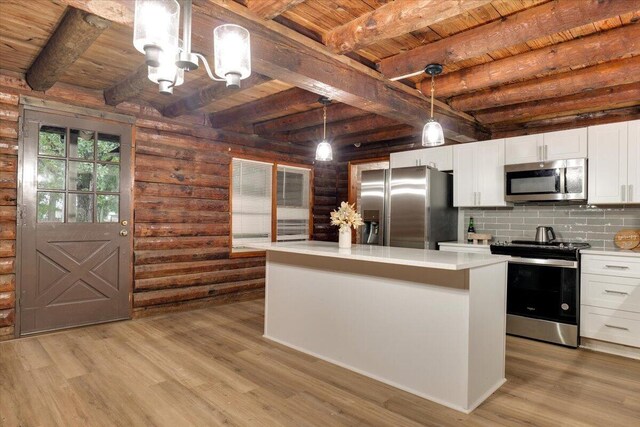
(260, 213)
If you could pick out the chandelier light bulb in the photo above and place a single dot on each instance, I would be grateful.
(324, 152)
(232, 53)
(156, 27)
(432, 133)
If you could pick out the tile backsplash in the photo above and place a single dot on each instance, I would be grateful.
(581, 223)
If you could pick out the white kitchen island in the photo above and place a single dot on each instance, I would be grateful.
(428, 322)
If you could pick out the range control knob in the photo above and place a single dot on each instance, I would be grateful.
(565, 306)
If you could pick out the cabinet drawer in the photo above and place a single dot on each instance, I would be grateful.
(620, 293)
(621, 327)
(611, 265)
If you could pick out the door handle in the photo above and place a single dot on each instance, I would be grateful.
(124, 222)
(623, 192)
(630, 191)
(124, 233)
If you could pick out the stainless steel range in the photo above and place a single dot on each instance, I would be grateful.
(543, 289)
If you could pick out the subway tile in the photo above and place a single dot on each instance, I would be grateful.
(605, 221)
(509, 220)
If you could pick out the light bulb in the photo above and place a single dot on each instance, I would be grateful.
(167, 75)
(156, 26)
(232, 53)
(324, 152)
(432, 134)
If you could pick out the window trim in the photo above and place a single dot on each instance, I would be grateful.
(274, 201)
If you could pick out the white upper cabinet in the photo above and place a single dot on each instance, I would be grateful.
(440, 158)
(523, 149)
(478, 174)
(608, 163)
(566, 144)
(633, 162)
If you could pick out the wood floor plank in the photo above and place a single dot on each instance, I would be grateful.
(213, 367)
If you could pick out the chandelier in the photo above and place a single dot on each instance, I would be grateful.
(156, 34)
(432, 134)
(324, 152)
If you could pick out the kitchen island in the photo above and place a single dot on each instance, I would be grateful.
(428, 322)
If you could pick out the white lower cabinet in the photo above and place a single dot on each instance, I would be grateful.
(610, 299)
(478, 174)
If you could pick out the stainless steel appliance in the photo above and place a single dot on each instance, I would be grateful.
(421, 208)
(545, 234)
(543, 289)
(373, 205)
(560, 180)
(409, 207)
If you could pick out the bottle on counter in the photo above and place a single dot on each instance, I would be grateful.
(471, 229)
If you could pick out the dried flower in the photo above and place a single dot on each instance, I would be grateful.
(346, 216)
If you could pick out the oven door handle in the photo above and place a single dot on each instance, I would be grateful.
(545, 262)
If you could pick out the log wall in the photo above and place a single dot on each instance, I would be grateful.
(181, 205)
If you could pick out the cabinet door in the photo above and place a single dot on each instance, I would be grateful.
(633, 163)
(566, 144)
(489, 172)
(463, 175)
(405, 159)
(607, 172)
(523, 149)
(440, 158)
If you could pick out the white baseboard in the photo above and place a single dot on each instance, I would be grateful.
(611, 348)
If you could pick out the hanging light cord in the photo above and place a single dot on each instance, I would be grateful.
(433, 89)
(324, 121)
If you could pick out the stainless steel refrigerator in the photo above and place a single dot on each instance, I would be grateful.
(408, 207)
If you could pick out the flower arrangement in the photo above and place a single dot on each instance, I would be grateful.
(346, 217)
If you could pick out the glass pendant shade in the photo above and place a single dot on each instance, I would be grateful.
(232, 53)
(432, 134)
(167, 75)
(324, 152)
(156, 27)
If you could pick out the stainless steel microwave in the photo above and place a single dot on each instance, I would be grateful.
(546, 181)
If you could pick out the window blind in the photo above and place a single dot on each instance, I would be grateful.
(293, 203)
(251, 203)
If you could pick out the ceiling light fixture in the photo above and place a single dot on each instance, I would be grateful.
(432, 134)
(324, 152)
(156, 28)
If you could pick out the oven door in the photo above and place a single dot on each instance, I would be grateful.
(544, 289)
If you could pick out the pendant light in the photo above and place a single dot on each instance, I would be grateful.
(324, 152)
(432, 134)
(156, 28)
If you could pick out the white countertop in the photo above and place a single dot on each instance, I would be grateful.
(464, 244)
(387, 255)
(614, 252)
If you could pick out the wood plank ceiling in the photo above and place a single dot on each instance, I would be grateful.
(510, 66)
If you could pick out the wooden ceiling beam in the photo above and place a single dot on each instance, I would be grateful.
(269, 9)
(530, 24)
(598, 100)
(335, 112)
(402, 131)
(336, 129)
(600, 47)
(209, 94)
(283, 54)
(76, 32)
(392, 20)
(566, 122)
(131, 87)
(585, 80)
(264, 107)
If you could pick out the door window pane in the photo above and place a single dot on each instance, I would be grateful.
(81, 144)
(293, 203)
(51, 174)
(108, 177)
(80, 176)
(52, 141)
(108, 208)
(108, 148)
(50, 207)
(80, 208)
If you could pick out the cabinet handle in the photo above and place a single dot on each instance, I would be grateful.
(539, 153)
(630, 190)
(479, 197)
(618, 267)
(623, 192)
(609, 291)
(545, 152)
(616, 327)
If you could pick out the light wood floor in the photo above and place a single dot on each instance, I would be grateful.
(212, 366)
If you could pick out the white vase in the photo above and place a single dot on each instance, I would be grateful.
(344, 238)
